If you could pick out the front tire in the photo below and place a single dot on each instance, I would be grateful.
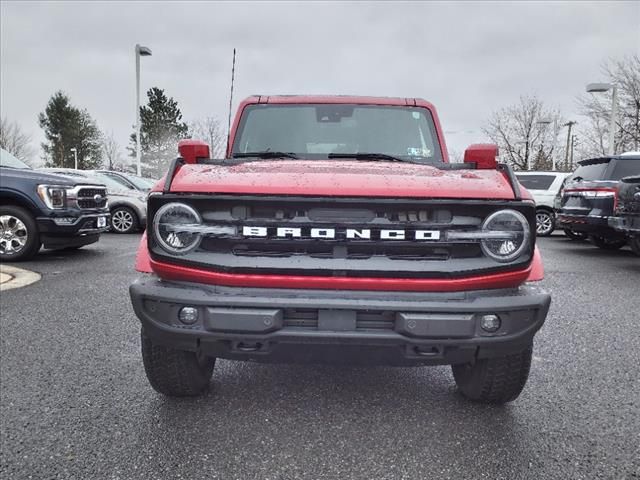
(607, 243)
(494, 380)
(175, 373)
(124, 220)
(19, 236)
(545, 223)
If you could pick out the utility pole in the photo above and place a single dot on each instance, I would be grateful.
(573, 144)
(569, 124)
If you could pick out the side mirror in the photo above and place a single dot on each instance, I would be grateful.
(483, 155)
(191, 150)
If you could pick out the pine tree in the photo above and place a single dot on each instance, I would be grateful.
(66, 127)
(161, 128)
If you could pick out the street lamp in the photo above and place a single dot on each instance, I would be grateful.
(605, 87)
(140, 52)
(75, 156)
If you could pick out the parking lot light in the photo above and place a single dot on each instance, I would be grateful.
(601, 88)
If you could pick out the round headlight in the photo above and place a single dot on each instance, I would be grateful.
(175, 228)
(510, 235)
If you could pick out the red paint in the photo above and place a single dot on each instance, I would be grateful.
(191, 150)
(483, 155)
(336, 99)
(143, 263)
(342, 178)
(537, 267)
(479, 282)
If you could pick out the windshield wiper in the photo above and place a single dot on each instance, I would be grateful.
(265, 154)
(382, 157)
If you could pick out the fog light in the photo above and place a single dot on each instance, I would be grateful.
(490, 323)
(188, 315)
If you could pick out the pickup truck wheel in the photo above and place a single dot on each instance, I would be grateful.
(19, 237)
(575, 235)
(494, 380)
(175, 373)
(123, 220)
(545, 223)
(607, 243)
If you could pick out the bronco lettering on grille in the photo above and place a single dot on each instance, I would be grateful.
(333, 233)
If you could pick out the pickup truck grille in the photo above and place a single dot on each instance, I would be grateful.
(87, 198)
(340, 256)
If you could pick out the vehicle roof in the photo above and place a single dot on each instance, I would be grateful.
(544, 172)
(348, 99)
(624, 156)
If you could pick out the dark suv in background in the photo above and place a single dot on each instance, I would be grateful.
(590, 195)
(627, 219)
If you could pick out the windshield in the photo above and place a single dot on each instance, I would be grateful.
(536, 182)
(8, 160)
(140, 182)
(316, 130)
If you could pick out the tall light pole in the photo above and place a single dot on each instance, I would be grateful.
(569, 124)
(140, 52)
(605, 87)
(75, 156)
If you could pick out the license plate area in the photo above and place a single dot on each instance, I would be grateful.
(337, 320)
(101, 222)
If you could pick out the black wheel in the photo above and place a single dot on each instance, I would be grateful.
(124, 220)
(574, 235)
(545, 223)
(19, 237)
(607, 243)
(634, 243)
(175, 373)
(494, 380)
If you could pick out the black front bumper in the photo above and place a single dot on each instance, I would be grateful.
(588, 224)
(80, 230)
(289, 325)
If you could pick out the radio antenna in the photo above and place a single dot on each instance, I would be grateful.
(233, 74)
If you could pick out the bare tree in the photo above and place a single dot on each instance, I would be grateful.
(625, 74)
(209, 129)
(111, 151)
(527, 134)
(15, 141)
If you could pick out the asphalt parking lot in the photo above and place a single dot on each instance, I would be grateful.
(75, 402)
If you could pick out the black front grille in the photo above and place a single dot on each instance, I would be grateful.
(87, 198)
(341, 256)
(365, 319)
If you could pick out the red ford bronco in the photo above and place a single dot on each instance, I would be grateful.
(335, 229)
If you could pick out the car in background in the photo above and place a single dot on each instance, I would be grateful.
(139, 183)
(590, 195)
(627, 214)
(40, 209)
(543, 186)
(127, 204)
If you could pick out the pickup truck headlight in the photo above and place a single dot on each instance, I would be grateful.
(175, 226)
(54, 197)
(508, 235)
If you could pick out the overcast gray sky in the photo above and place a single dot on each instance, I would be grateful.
(468, 58)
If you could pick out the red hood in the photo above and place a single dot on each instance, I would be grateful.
(343, 178)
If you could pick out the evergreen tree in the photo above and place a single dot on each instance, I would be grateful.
(66, 127)
(161, 128)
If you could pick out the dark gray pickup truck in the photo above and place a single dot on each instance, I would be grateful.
(38, 209)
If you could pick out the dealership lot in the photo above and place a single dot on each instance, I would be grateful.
(75, 402)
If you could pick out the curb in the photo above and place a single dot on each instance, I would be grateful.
(13, 277)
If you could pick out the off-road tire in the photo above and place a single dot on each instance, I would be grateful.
(634, 243)
(494, 380)
(32, 243)
(175, 373)
(126, 219)
(607, 244)
(574, 235)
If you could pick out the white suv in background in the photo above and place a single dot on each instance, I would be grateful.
(544, 187)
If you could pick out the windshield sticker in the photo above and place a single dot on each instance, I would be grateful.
(418, 152)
